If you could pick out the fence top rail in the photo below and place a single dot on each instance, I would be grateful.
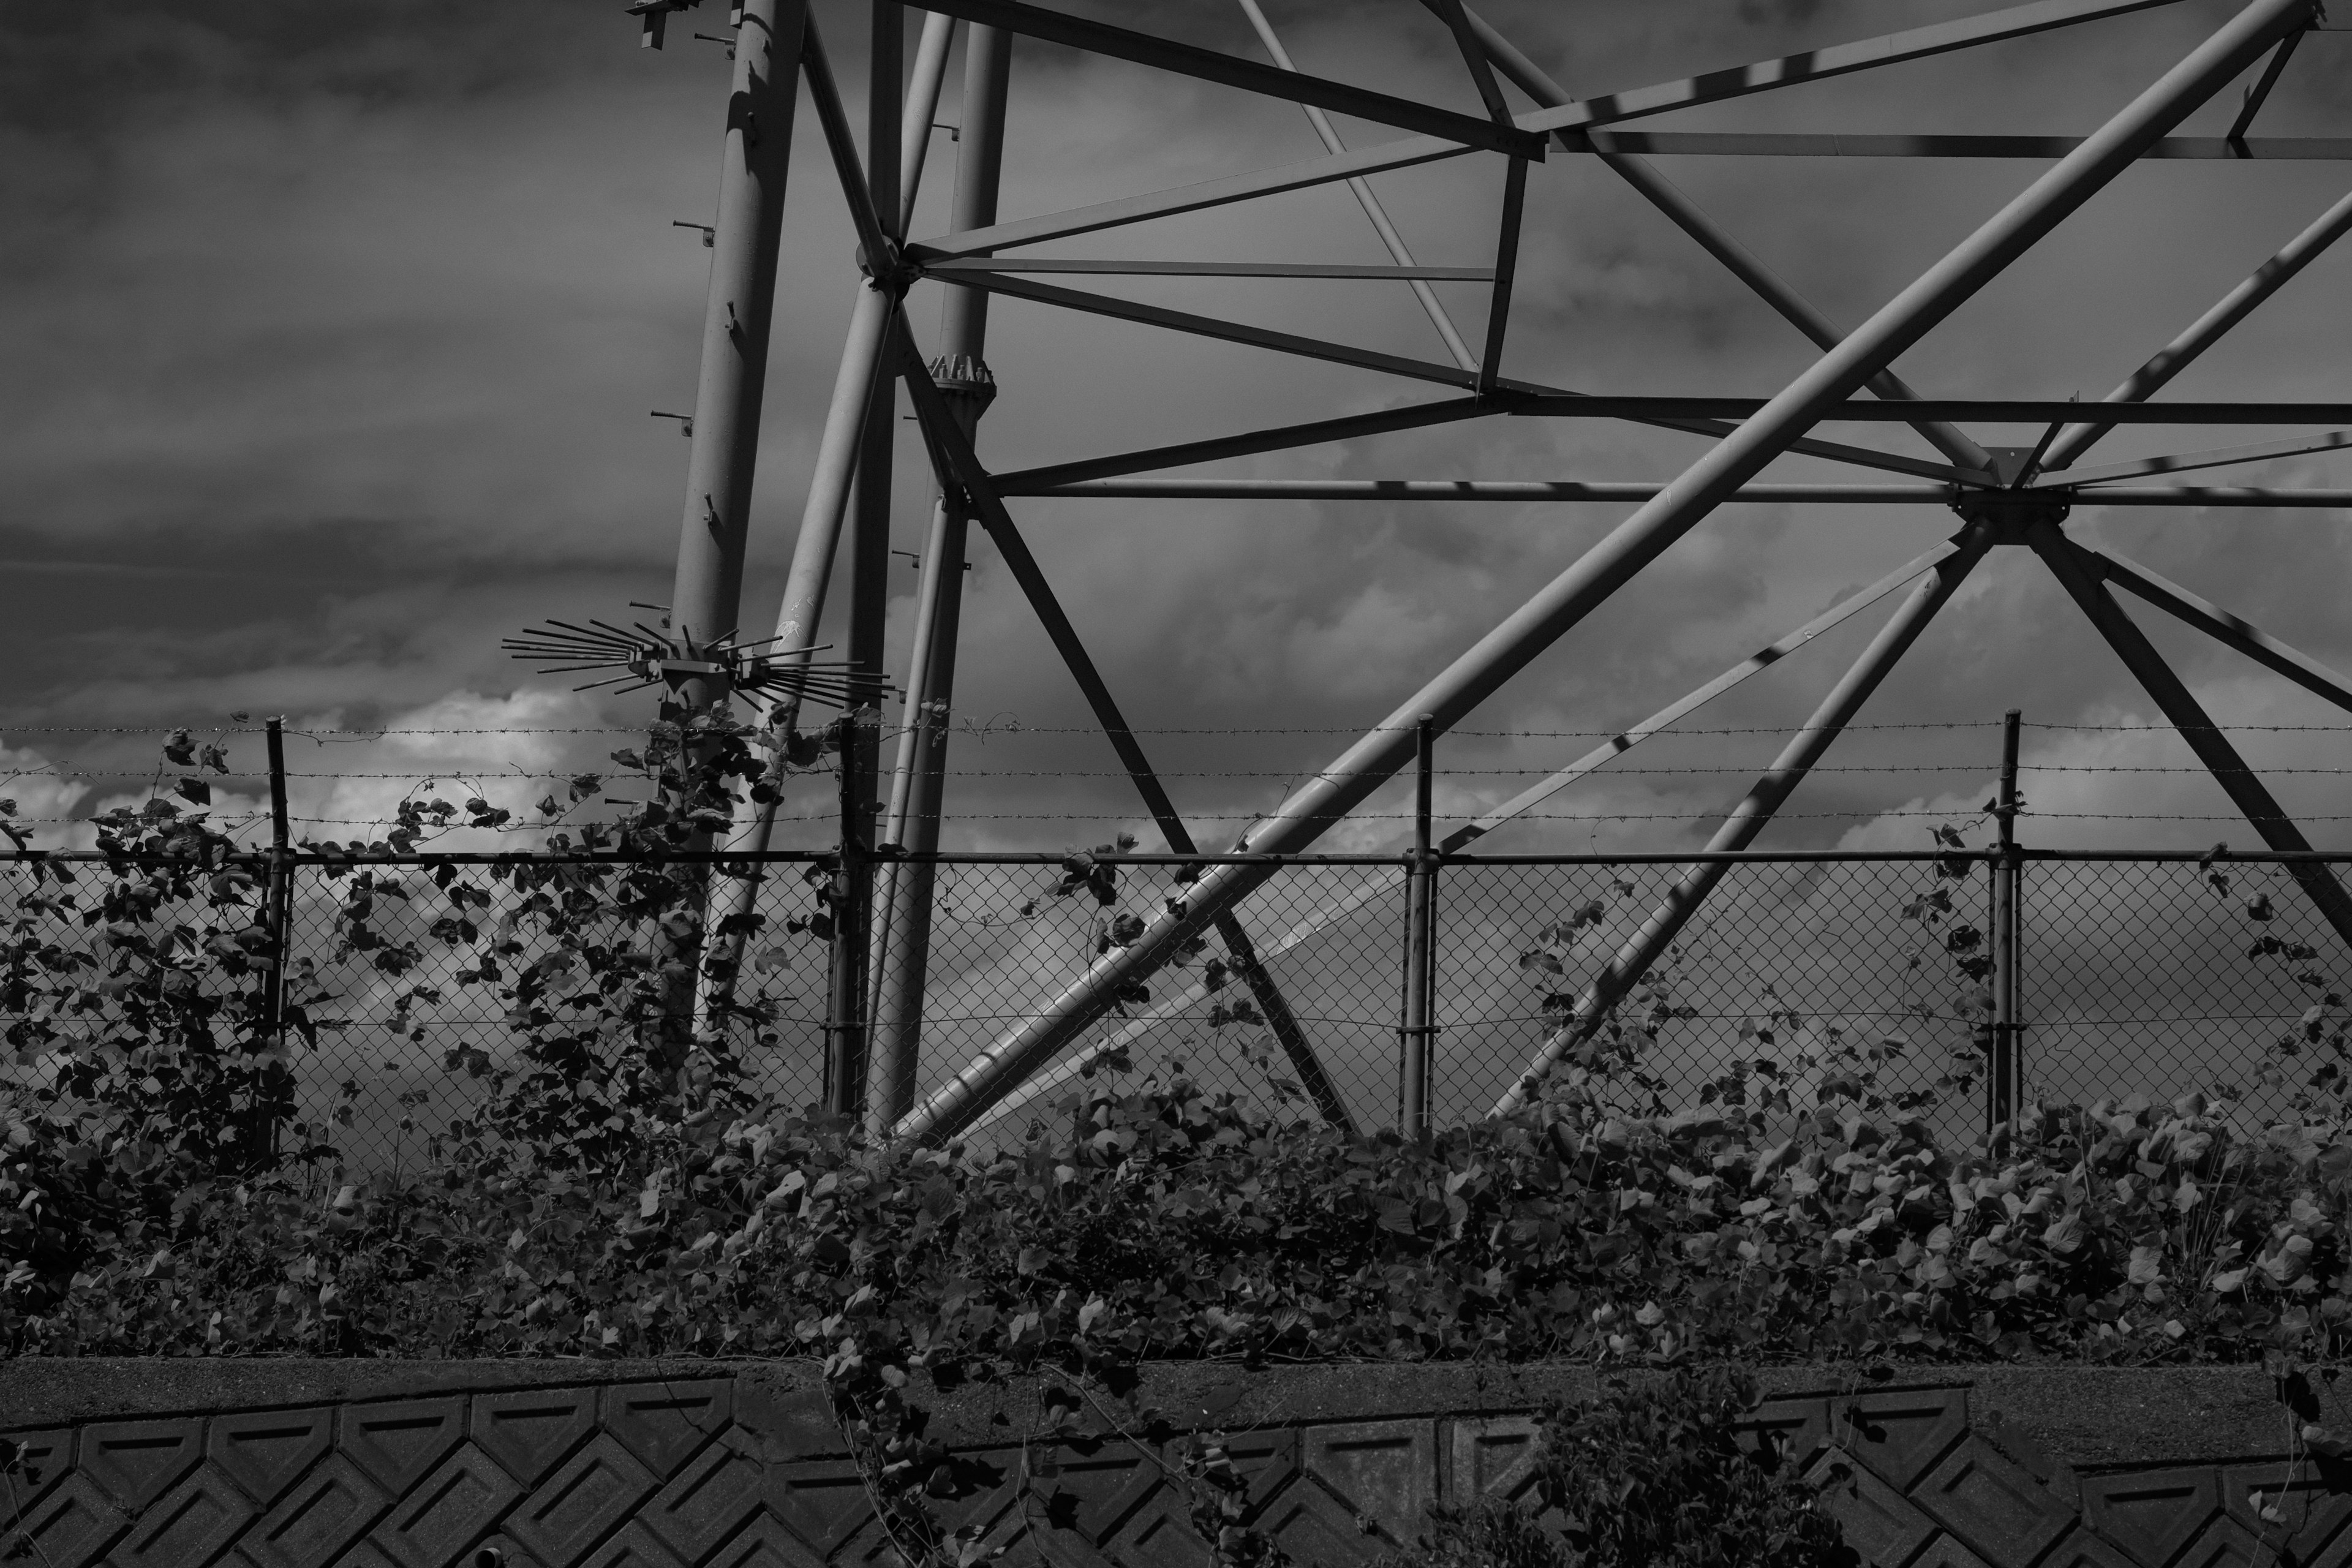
(1988, 854)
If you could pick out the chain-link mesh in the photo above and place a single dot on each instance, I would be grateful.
(1810, 968)
(2170, 977)
(2158, 975)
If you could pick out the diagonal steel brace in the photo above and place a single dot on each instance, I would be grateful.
(2079, 572)
(960, 467)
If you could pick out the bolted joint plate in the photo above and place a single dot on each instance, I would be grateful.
(2011, 515)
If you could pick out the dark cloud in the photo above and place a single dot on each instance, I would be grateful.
(331, 331)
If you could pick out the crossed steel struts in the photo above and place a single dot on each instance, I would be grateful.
(2005, 496)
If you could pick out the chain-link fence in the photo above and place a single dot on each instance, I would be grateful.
(2155, 973)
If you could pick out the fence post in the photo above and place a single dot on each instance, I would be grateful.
(1420, 886)
(2000, 1105)
(277, 899)
(845, 1061)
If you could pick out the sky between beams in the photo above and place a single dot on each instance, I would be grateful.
(330, 336)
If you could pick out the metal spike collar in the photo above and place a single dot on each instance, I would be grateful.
(645, 657)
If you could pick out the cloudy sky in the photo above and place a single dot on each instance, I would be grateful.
(329, 333)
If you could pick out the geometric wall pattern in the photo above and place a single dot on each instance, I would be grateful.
(717, 1472)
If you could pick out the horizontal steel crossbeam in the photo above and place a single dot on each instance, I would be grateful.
(1606, 492)
(1813, 65)
(1805, 144)
(957, 265)
(1207, 65)
(2012, 411)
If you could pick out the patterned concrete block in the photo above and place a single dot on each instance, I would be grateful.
(2020, 1445)
(2315, 1512)
(139, 1461)
(366, 1554)
(1267, 1460)
(665, 1424)
(1946, 1551)
(189, 1526)
(1384, 1471)
(324, 1512)
(823, 1501)
(1800, 1427)
(41, 1460)
(634, 1547)
(69, 1528)
(1900, 1434)
(790, 1423)
(531, 1431)
(580, 1504)
(710, 1499)
(2336, 1554)
(505, 1552)
(1107, 1481)
(1039, 1534)
(1159, 1535)
(983, 1484)
(2226, 1544)
(450, 1509)
(764, 1542)
(1312, 1526)
(1993, 1504)
(2151, 1514)
(2081, 1549)
(1879, 1523)
(397, 1445)
(265, 1451)
(1490, 1455)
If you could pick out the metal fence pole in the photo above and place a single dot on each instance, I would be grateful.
(845, 1061)
(2000, 1105)
(277, 901)
(1421, 883)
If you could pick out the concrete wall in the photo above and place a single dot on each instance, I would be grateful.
(289, 1464)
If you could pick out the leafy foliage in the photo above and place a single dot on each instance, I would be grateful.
(1163, 1222)
(622, 1193)
(1650, 1474)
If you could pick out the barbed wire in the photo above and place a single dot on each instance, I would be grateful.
(1859, 815)
(307, 735)
(990, 726)
(61, 770)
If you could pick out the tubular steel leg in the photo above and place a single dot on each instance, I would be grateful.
(2078, 571)
(804, 591)
(901, 961)
(796, 622)
(706, 594)
(1634, 543)
(705, 597)
(869, 566)
(922, 102)
(1624, 971)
